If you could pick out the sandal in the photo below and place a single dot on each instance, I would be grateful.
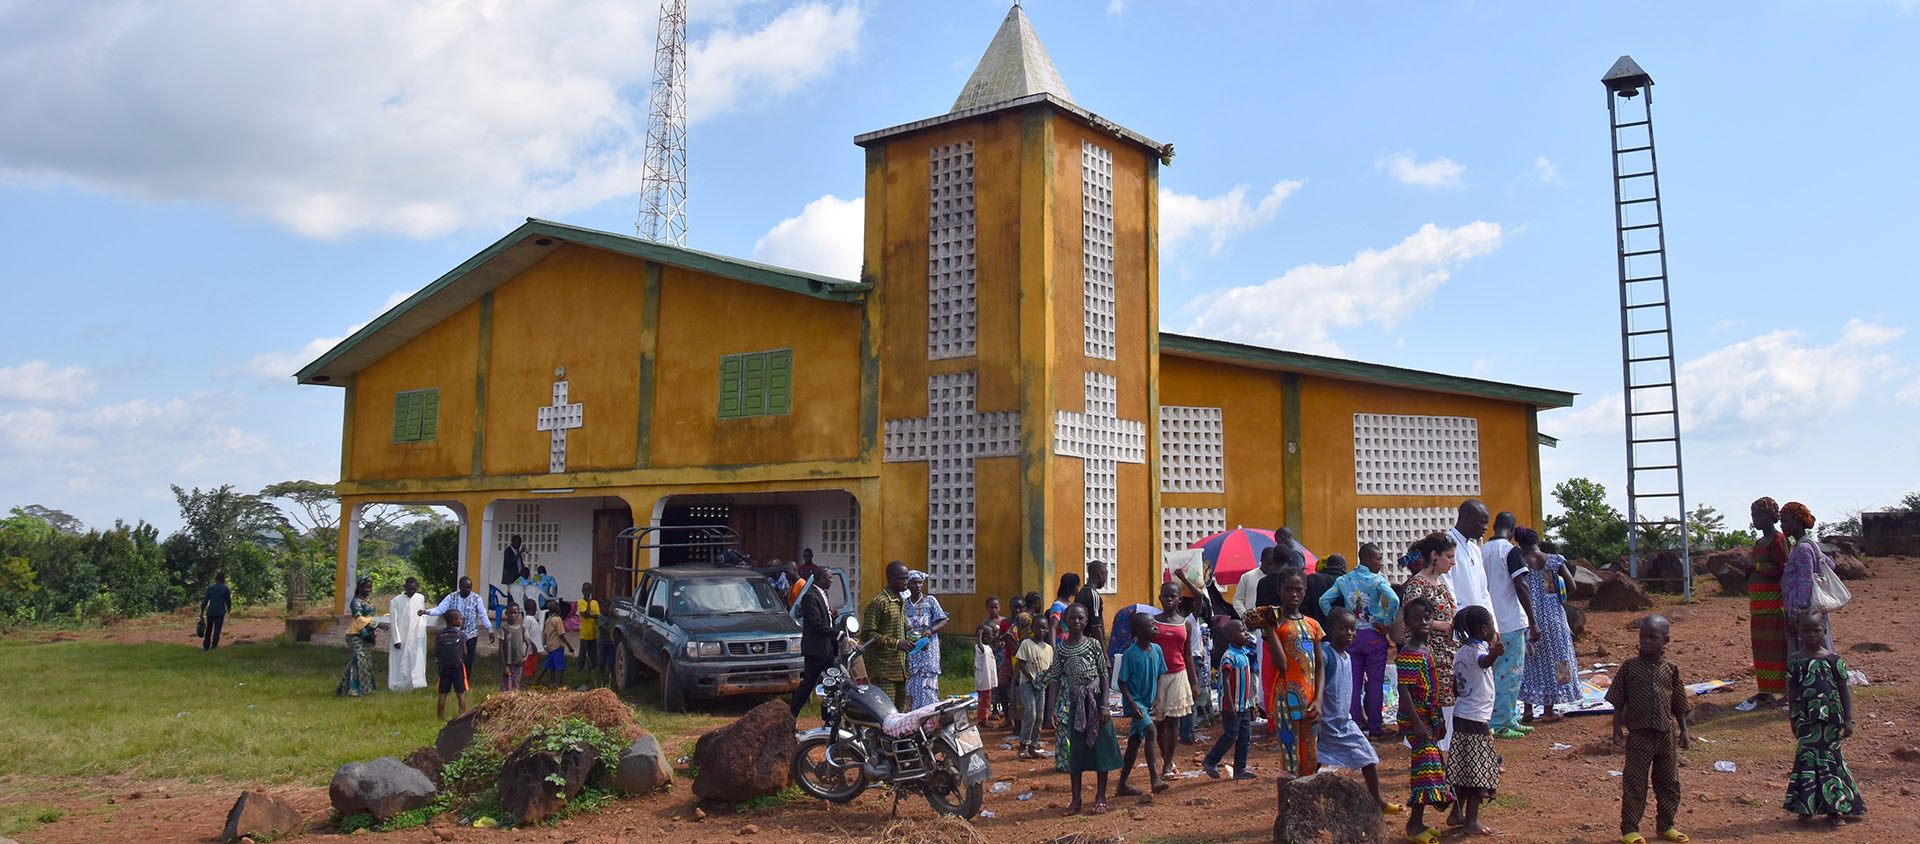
(1391, 808)
(1098, 809)
(1672, 834)
(1126, 791)
(1508, 733)
(1428, 836)
(1633, 838)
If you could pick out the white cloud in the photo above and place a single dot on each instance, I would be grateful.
(39, 382)
(1115, 7)
(1383, 287)
(1220, 218)
(276, 368)
(1546, 171)
(825, 238)
(794, 49)
(1438, 173)
(1909, 394)
(415, 118)
(1767, 391)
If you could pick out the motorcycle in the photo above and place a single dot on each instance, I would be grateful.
(934, 751)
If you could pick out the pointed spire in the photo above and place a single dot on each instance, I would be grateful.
(1625, 73)
(1015, 65)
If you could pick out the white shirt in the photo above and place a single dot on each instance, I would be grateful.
(1472, 685)
(1467, 581)
(1243, 594)
(1508, 615)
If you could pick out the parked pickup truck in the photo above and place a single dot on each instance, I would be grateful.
(708, 632)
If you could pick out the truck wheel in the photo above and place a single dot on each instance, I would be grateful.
(672, 697)
(625, 666)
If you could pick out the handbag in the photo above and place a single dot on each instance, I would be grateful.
(1829, 593)
(200, 628)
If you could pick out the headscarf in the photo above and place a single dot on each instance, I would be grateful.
(1799, 512)
(1413, 562)
(1768, 507)
(1524, 536)
(916, 575)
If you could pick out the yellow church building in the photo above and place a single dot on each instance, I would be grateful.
(992, 401)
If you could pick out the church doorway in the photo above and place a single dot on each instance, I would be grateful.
(771, 525)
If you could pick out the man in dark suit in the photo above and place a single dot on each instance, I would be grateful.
(819, 640)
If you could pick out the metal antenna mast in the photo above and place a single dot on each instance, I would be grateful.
(663, 188)
(1656, 495)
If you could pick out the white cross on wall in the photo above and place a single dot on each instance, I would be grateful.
(1102, 441)
(557, 418)
(948, 439)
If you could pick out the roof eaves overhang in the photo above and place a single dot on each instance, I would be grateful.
(1183, 345)
(513, 254)
(1096, 121)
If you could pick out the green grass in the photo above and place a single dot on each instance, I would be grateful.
(255, 714)
(16, 818)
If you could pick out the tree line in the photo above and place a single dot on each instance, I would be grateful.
(277, 546)
(1590, 528)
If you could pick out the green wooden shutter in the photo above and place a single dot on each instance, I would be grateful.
(754, 385)
(406, 418)
(780, 381)
(429, 414)
(730, 386)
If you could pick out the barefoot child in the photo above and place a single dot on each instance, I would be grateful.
(1085, 737)
(514, 647)
(1420, 721)
(1473, 766)
(986, 668)
(1340, 742)
(1239, 697)
(1138, 679)
(1821, 709)
(450, 650)
(1030, 664)
(1650, 704)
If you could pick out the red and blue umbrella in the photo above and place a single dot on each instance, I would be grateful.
(1230, 554)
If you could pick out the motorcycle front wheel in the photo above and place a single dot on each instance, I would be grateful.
(819, 779)
(944, 789)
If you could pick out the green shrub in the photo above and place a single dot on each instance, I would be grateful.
(350, 824)
(475, 771)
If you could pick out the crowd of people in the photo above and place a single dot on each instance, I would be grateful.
(1476, 642)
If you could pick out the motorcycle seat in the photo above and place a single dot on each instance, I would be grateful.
(897, 724)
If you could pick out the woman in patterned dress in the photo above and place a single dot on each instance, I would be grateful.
(1767, 616)
(1083, 738)
(1420, 720)
(1428, 560)
(1294, 641)
(924, 618)
(1796, 577)
(1551, 677)
(358, 679)
(1821, 709)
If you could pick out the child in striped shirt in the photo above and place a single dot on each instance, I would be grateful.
(1238, 698)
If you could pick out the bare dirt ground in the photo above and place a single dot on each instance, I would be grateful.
(1546, 795)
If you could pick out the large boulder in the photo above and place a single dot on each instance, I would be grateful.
(643, 767)
(1328, 807)
(1576, 620)
(1585, 580)
(1849, 567)
(1618, 592)
(1732, 580)
(1739, 561)
(456, 735)
(747, 758)
(1665, 572)
(527, 787)
(1841, 543)
(262, 817)
(383, 788)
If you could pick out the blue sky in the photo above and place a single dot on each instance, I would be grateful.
(202, 200)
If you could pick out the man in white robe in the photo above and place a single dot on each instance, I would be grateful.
(407, 665)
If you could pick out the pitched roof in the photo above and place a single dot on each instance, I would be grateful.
(1015, 65)
(1625, 73)
(520, 249)
(1352, 370)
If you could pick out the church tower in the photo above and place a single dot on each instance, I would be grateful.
(1011, 245)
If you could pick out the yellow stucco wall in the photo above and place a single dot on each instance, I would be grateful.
(442, 357)
(579, 308)
(703, 317)
(1327, 407)
(1250, 402)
